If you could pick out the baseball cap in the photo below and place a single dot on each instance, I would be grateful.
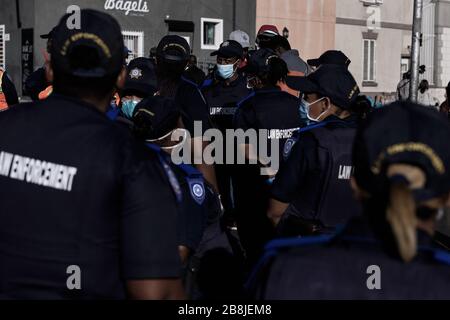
(258, 61)
(101, 34)
(329, 80)
(229, 49)
(240, 36)
(141, 77)
(330, 57)
(173, 48)
(156, 116)
(48, 35)
(403, 133)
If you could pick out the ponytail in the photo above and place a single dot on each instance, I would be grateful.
(277, 71)
(401, 216)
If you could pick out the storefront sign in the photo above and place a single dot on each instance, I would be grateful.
(138, 6)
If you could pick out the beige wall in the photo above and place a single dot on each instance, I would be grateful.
(391, 43)
(311, 23)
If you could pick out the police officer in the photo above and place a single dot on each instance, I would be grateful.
(311, 193)
(275, 111)
(223, 93)
(158, 124)
(172, 56)
(403, 182)
(8, 93)
(81, 203)
(140, 84)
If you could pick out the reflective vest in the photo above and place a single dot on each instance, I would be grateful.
(46, 93)
(3, 103)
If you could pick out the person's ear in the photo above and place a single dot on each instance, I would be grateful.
(48, 71)
(120, 83)
(325, 104)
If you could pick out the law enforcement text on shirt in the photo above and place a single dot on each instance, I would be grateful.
(39, 172)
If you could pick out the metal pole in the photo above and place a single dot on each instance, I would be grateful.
(234, 15)
(415, 50)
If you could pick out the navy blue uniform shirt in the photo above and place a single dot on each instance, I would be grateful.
(347, 266)
(223, 100)
(302, 169)
(78, 191)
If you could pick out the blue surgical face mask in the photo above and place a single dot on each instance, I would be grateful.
(128, 106)
(225, 71)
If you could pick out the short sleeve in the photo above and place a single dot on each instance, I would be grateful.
(149, 237)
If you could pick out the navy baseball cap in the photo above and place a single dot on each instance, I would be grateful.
(229, 49)
(331, 57)
(141, 77)
(173, 48)
(328, 80)
(404, 133)
(258, 61)
(100, 37)
(156, 116)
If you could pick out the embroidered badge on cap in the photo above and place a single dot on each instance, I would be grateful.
(136, 73)
(225, 44)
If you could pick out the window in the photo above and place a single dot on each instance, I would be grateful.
(2, 47)
(404, 67)
(212, 33)
(369, 60)
(134, 41)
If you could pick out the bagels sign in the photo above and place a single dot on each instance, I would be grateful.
(139, 6)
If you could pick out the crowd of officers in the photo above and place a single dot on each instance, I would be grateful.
(88, 179)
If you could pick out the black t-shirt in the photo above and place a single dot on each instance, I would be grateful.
(345, 267)
(198, 209)
(223, 100)
(194, 106)
(9, 90)
(77, 190)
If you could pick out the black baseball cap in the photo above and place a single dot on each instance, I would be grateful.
(173, 48)
(101, 34)
(331, 57)
(403, 133)
(156, 116)
(329, 80)
(258, 61)
(141, 78)
(48, 35)
(229, 49)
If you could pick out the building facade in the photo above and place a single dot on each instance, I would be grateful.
(374, 34)
(205, 24)
(310, 23)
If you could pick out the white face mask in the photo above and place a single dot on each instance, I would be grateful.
(168, 135)
(306, 106)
